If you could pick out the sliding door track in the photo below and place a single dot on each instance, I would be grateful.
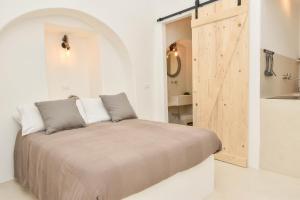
(195, 7)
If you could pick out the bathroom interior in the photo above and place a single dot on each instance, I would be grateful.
(179, 71)
(280, 95)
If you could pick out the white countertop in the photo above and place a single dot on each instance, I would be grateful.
(282, 97)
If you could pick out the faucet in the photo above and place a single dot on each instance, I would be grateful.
(287, 76)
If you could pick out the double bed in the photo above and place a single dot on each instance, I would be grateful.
(132, 160)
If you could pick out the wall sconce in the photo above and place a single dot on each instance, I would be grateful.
(65, 43)
(173, 49)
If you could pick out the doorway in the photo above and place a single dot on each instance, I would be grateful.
(179, 71)
(219, 75)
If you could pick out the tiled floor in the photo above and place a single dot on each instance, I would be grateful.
(232, 183)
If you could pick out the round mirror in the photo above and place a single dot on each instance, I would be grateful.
(173, 64)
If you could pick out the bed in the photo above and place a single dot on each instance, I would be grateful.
(132, 160)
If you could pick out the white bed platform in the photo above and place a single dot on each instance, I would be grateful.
(193, 184)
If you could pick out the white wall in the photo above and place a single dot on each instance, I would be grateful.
(280, 27)
(76, 71)
(179, 30)
(114, 77)
(254, 83)
(18, 85)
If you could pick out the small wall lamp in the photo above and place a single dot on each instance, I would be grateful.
(65, 43)
(173, 49)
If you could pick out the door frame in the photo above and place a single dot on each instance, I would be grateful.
(160, 91)
(164, 60)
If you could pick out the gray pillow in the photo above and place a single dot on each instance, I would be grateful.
(60, 115)
(118, 107)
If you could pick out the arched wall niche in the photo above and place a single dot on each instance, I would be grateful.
(23, 70)
(104, 31)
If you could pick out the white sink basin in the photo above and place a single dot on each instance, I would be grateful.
(180, 100)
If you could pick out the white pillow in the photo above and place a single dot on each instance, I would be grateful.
(31, 119)
(81, 110)
(94, 110)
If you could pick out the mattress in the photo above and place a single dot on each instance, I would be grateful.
(108, 161)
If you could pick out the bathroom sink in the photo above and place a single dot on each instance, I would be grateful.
(180, 100)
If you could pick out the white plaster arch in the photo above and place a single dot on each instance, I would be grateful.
(98, 26)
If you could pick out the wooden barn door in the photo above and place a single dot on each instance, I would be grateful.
(220, 76)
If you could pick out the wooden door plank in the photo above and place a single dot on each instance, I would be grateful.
(230, 158)
(220, 85)
(213, 18)
(225, 65)
(234, 96)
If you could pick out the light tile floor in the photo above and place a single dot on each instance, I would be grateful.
(232, 183)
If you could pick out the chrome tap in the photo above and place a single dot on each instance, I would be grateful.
(287, 76)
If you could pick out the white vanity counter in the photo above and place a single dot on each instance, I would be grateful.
(180, 100)
(280, 135)
(180, 109)
(291, 96)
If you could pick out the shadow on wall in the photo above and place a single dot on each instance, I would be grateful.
(23, 71)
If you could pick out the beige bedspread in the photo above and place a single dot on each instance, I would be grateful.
(108, 161)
